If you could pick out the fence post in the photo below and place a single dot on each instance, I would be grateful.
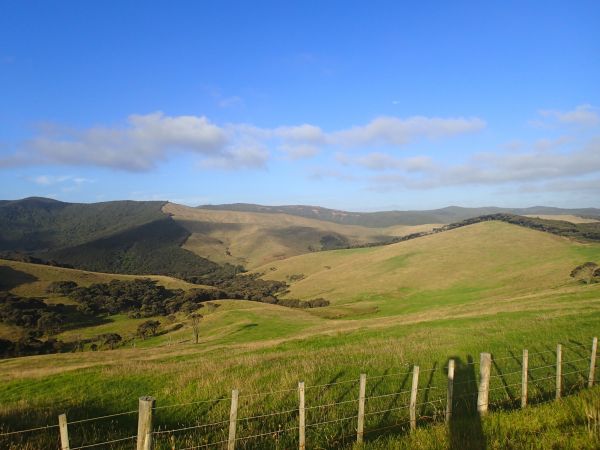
(360, 428)
(144, 434)
(525, 367)
(450, 390)
(593, 362)
(301, 418)
(485, 364)
(233, 419)
(558, 371)
(64, 432)
(413, 398)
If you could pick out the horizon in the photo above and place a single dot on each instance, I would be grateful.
(403, 107)
(309, 206)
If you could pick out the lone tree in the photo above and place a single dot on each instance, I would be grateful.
(195, 322)
(111, 340)
(148, 328)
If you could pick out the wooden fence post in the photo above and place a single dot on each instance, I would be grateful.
(558, 371)
(144, 434)
(525, 368)
(485, 364)
(301, 418)
(450, 392)
(360, 428)
(593, 362)
(233, 419)
(413, 398)
(64, 432)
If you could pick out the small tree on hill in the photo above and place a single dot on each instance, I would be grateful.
(195, 322)
(111, 340)
(148, 328)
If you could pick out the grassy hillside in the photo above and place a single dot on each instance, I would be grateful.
(446, 215)
(253, 238)
(564, 217)
(485, 260)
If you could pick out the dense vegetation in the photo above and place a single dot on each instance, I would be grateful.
(117, 237)
(138, 298)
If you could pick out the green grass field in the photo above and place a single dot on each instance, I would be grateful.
(488, 287)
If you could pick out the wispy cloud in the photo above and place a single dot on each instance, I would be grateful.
(535, 165)
(395, 131)
(238, 158)
(583, 115)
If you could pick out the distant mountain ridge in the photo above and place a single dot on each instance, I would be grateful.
(445, 215)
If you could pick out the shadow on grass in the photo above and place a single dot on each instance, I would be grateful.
(465, 429)
(11, 278)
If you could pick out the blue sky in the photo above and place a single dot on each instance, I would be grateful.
(350, 105)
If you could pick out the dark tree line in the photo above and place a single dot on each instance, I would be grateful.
(32, 314)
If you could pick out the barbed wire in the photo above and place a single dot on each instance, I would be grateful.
(103, 443)
(46, 427)
(278, 413)
(175, 405)
(204, 445)
(330, 421)
(91, 419)
(191, 427)
(331, 404)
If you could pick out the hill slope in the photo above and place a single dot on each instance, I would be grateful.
(119, 237)
(488, 259)
(253, 238)
(446, 215)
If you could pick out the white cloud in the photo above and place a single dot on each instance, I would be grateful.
(395, 131)
(300, 151)
(583, 115)
(50, 180)
(301, 133)
(145, 140)
(238, 158)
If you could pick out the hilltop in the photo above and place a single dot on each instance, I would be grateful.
(446, 215)
(485, 260)
(254, 238)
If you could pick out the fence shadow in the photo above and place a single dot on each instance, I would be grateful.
(465, 428)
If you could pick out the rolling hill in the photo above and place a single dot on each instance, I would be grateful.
(252, 238)
(119, 237)
(446, 215)
(483, 261)
(164, 238)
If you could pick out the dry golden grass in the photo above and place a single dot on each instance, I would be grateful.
(492, 256)
(253, 239)
(564, 217)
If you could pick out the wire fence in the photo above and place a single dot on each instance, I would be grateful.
(343, 409)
